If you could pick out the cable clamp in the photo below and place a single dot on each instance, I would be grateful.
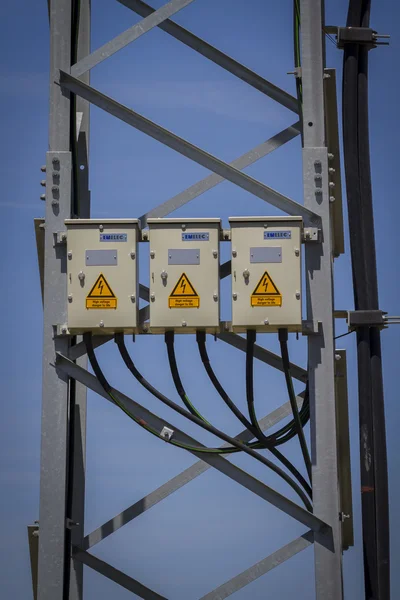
(166, 433)
(366, 318)
(358, 35)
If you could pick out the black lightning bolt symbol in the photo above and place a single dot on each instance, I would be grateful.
(100, 287)
(183, 286)
(265, 283)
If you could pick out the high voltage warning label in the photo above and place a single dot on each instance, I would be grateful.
(266, 293)
(101, 295)
(184, 295)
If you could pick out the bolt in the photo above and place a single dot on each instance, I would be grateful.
(226, 236)
(101, 324)
(330, 156)
(297, 295)
(234, 295)
(152, 297)
(63, 237)
(308, 235)
(332, 170)
(164, 275)
(145, 328)
(331, 198)
(145, 236)
(43, 183)
(133, 298)
(101, 227)
(43, 168)
(133, 255)
(43, 196)
(55, 161)
(69, 255)
(215, 254)
(297, 252)
(69, 297)
(318, 177)
(54, 202)
(215, 296)
(337, 357)
(246, 273)
(81, 276)
(184, 323)
(152, 254)
(266, 321)
(183, 226)
(327, 76)
(317, 163)
(331, 184)
(234, 253)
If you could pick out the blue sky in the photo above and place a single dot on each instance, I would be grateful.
(211, 529)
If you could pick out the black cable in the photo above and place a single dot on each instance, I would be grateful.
(253, 427)
(283, 336)
(169, 339)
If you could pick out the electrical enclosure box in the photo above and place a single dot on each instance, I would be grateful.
(102, 275)
(184, 274)
(266, 273)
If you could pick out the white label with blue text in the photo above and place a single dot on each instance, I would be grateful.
(196, 237)
(113, 237)
(277, 235)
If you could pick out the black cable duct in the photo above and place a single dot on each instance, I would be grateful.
(373, 458)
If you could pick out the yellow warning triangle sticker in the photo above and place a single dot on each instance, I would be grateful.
(184, 295)
(101, 295)
(266, 293)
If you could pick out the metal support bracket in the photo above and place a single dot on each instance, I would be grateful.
(60, 238)
(359, 35)
(311, 327)
(312, 234)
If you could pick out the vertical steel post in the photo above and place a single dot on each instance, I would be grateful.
(319, 260)
(54, 446)
(77, 462)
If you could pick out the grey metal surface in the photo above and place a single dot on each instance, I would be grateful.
(263, 354)
(128, 36)
(184, 256)
(101, 258)
(266, 254)
(211, 181)
(328, 562)
(187, 149)
(343, 430)
(176, 483)
(115, 575)
(218, 57)
(267, 564)
(67, 367)
(55, 394)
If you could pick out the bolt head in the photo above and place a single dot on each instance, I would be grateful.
(234, 295)
(145, 235)
(43, 183)
(297, 295)
(54, 202)
(133, 298)
(234, 253)
(133, 255)
(246, 273)
(81, 276)
(164, 275)
(152, 254)
(337, 357)
(215, 253)
(215, 296)
(69, 297)
(330, 156)
(297, 252)
(266, 321)
(331, 198)
(55, 160)
(184, 323)
(152, 297)
(43, 168)
(63, 329)
(101, 227)
(331, 184)
(69, 255)
(43, 196)
(101, 324)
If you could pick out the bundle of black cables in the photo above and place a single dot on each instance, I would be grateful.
(192, 415)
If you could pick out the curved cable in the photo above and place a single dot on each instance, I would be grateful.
(254, 426)
(283, 336)
(169, 339)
